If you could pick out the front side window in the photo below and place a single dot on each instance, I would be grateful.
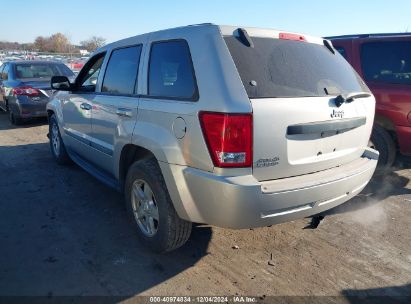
(121, 72)
(171, 72)
(387, 62)
(88, 77)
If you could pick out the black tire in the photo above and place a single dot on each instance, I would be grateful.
(172, 231)
(3, 107)
(382, 141)
(15, 119)
(6, 107)
(60, 155)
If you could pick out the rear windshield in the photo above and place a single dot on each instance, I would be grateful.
(41, 70)
(286, 68)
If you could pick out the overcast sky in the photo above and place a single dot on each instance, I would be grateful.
(23, 20)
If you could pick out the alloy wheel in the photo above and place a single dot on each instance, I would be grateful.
(55, 139)
(145, 208)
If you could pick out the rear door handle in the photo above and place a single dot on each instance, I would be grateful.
(124, 112)
(85, 106)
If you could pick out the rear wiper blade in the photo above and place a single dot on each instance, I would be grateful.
(340, 99)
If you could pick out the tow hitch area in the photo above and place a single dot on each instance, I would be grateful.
(315, 221)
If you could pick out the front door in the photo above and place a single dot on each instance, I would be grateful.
(77, 106)
(114, 110)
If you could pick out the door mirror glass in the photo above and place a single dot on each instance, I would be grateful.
(61, 83)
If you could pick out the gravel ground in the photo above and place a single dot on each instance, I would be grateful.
(64, 233)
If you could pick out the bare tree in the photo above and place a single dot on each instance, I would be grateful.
(93, 43)
(56, 43)
(6, 45)
(40, 43)
(59, 43)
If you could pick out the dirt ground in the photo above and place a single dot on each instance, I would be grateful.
(64, 233)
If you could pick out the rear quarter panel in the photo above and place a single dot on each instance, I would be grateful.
(220, 89)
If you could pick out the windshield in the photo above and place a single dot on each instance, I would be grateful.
(286, 68)
(41, 70)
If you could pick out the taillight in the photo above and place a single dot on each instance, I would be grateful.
(289, 36)
(229, 138)
(28, 91)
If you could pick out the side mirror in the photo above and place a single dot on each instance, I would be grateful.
(61, 83)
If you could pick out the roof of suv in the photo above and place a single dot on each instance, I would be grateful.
(381, 35)
(224, 29)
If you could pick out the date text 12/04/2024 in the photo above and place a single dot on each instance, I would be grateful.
(205, 299)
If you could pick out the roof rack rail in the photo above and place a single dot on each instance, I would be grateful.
(198, 24)
(353, 36)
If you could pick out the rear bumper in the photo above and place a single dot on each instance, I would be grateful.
(243, 202)
(404, 139)
(32, 109)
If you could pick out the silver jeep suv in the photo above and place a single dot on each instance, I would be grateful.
(229, 126)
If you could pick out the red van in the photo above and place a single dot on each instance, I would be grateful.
(384, 62)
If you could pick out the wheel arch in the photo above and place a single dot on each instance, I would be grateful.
(387, 124)
(131, 153)
(49, 113)
(384, 122)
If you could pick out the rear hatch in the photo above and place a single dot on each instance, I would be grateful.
(303, 119)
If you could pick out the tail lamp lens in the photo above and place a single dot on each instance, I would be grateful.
(229, 138)
(28, 91)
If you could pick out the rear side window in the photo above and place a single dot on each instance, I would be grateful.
(387, 62)
(286, 68)
(122, 70)
(171, 72)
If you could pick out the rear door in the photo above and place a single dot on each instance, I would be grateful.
(77, 107)
(115, 108)
(292, 83)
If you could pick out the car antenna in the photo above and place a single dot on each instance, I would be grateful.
(329, 46)
(245, 38)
